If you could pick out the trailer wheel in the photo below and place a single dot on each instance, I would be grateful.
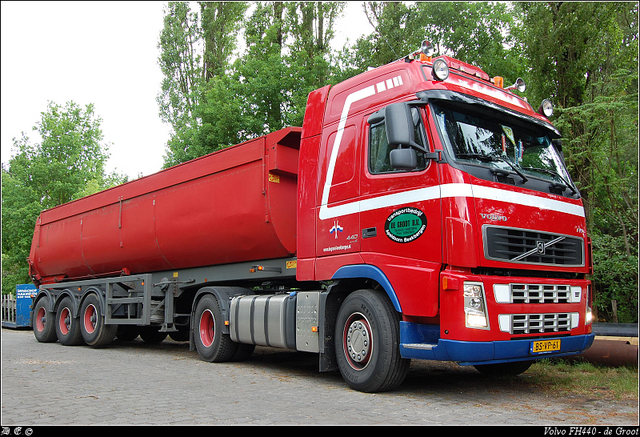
(44, 323)
(127, 332)
(367, 342)
(504, 369)
(152, 334)
(67, 326)
(212, 344)
(95, 332)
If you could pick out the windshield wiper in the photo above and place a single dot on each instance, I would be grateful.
(516, 169)
(554, 173)
(493, 158)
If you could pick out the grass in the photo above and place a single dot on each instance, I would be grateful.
(582, 378)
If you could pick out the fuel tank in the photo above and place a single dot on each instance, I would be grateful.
(237, 204)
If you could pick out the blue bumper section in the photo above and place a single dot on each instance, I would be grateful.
(422, 342)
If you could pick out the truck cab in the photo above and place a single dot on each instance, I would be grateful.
(428, 179)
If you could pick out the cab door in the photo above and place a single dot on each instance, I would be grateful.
(400, 216)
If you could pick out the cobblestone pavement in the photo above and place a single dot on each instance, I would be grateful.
(135, 383)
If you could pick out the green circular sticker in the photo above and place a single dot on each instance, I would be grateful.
(405, 225)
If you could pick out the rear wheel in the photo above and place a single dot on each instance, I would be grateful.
(67, 326)
(95, 331)
(367, 342)
(212, 344)
(44, 322)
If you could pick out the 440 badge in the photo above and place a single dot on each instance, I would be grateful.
(405, 225)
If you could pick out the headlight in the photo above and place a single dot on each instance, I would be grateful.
(475, 307)
(589, 311)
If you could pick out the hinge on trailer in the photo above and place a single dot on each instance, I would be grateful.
(120, 215)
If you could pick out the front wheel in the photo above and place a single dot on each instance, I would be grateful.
(367, 342)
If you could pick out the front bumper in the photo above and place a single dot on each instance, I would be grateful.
(419, 341)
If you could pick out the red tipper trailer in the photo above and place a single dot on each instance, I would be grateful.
(237, 204)
(423, 211)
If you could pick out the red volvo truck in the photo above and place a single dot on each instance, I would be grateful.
(423, 211)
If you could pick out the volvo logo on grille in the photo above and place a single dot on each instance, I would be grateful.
(540, 249)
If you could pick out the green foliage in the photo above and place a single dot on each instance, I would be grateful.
(66, 164)
(483, 34)
(480, 33)
(286, 56)
(589, 54)
(615, 278)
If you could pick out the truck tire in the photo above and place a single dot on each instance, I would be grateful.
(44, 322)
(211, 343)
(152, 334)
(95, 332)
(127, 332)
(367, 339)
(67, 326)
(504, 369)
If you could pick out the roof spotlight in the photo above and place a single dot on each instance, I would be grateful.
(519, 85)
(440, 69)
(546, 108)
(427, 48)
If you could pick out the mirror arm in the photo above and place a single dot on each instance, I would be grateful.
(437, 155)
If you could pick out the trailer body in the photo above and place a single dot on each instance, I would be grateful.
(415, 215)
(221, 208)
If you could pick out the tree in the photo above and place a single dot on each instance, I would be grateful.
(221, 22)
(195, 48)
(286, 56)
(181, 65)
(67, 163)
(480, 33)
(584, 56)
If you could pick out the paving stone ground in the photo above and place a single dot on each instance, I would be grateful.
(136, 383)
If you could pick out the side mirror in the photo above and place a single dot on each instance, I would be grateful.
(403, 159)
(399, 124)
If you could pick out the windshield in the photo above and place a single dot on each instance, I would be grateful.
(500, 142)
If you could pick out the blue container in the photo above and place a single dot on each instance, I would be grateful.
(24, 293)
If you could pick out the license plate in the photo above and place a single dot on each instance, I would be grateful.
(540, 347)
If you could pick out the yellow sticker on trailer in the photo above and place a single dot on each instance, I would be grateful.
(540, 347)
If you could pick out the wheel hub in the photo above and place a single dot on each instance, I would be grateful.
(357, 341)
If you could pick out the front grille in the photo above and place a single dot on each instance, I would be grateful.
(539, 323)
(536, 293)
(532, 247)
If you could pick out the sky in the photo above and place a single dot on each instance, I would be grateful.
(103, 53)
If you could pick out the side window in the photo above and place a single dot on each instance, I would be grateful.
(379, 148)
